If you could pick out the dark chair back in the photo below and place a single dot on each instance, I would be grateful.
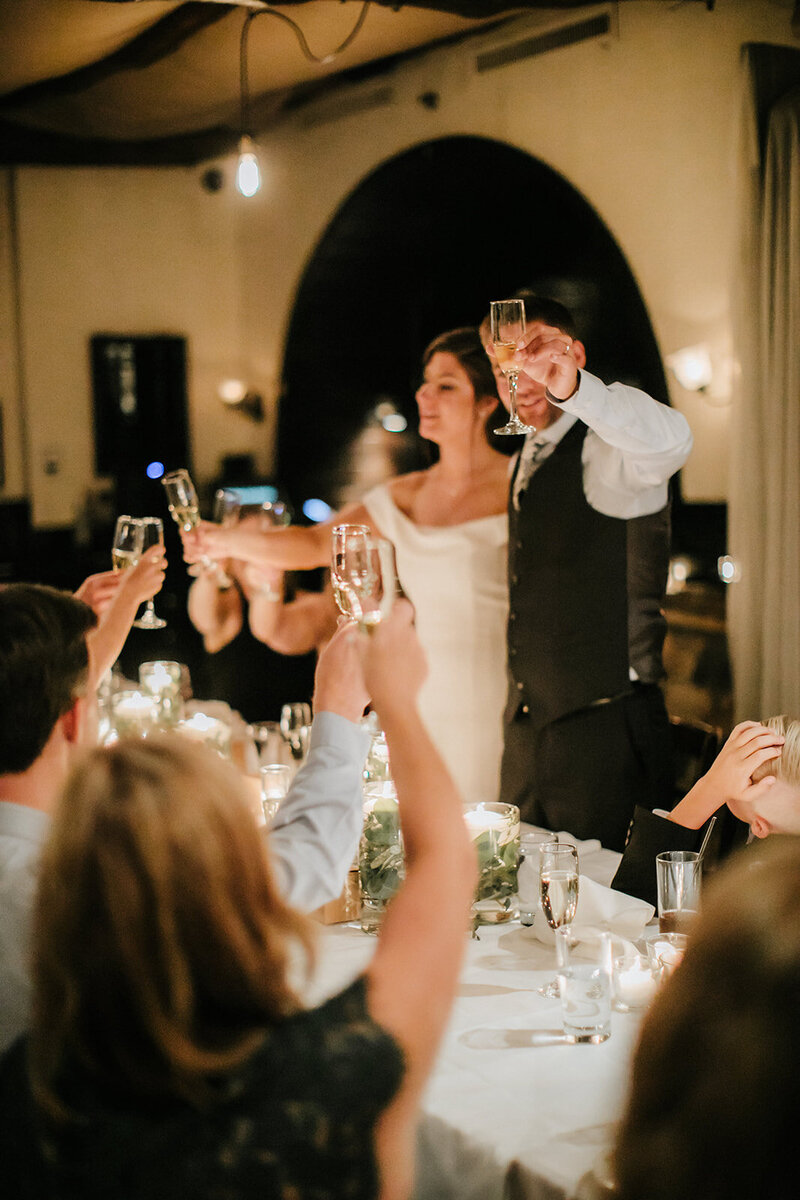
(695, 745)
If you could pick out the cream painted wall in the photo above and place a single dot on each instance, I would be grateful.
(132, 251)
(643, 123)
(14, 485)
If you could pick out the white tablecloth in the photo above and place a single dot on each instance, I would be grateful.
(502, 1117)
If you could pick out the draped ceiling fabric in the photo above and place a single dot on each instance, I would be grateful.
(128, 83)
(764, 507)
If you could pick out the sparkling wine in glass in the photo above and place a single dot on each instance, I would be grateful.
(185, 509)
(558, 892)
(127, 545)
(152, 535)
(507, 318)
(352, 567)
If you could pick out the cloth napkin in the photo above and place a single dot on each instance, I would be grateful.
(600, 907)
(590, 846)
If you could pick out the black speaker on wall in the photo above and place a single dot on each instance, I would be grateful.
(141, 425)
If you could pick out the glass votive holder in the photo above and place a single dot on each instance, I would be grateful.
(268, 743)
(381, 864)
(528, 881)
(275, 780)
(635, 981)
(163, 680)
(666, 946)
(133, 714)
(215, 733)
(494, 828)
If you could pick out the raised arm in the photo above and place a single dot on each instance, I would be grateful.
(296, 547)
(414, 973)
(315, 834)
(137, 585)
(642, 443)
(729, 778)
(215, 612)
(291, 627)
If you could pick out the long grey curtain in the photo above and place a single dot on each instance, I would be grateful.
(764, 508)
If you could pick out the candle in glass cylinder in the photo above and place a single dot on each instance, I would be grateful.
(214, 733)
(133, 714)
(494, 829)
(162, 679)
(634, 983)
(160, 676)
(482, 820)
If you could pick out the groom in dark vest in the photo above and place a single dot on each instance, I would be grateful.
(586, 731)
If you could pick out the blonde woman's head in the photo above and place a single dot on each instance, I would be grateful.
(161, 946)
(778, 810)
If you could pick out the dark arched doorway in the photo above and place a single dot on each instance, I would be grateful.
(420, 246)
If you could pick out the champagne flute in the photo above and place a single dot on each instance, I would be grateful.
(558, 891)
(295, 725)
(185, 509)
(127, 545)
(507, 318)
(352, 566)
(227, 507)
(152, 535)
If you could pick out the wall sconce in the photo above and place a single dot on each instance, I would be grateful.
(692, 368)
(235, 394)
(728, 569)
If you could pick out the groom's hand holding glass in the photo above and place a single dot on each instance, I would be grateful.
(552, 358)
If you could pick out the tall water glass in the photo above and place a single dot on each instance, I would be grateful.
(678, 874)
(584, 985)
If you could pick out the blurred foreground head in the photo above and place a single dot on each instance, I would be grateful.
(161, 945)
(713, 1105)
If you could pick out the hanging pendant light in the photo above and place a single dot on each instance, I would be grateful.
(248, 175)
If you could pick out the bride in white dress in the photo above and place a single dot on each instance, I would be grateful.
(449, 527)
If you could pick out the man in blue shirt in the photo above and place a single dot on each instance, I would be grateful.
(48, 713)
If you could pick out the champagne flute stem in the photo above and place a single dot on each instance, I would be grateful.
(512, 396)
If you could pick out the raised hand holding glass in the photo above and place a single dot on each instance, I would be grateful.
(185, 509)
(152, 535)
(507, 318)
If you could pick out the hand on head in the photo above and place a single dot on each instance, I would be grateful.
(748, 747)
(339, 685)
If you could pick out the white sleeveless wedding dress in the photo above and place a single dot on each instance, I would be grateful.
(455, 576)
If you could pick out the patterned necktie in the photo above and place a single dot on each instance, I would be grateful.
(533, 452)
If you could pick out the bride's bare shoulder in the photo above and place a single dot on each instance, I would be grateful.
(405, 488)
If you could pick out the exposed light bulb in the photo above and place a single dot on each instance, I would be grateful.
(248, 176)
